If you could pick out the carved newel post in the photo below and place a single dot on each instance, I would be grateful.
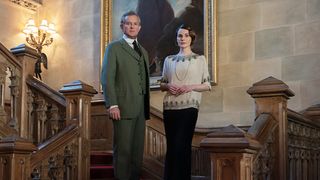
(15, 153)
(271, 96)
(231, 153)
(78, 99)
(27, 56)
(260, 152)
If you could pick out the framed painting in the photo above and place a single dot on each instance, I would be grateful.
(159, 21)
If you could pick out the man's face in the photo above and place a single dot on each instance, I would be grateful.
(131, 26)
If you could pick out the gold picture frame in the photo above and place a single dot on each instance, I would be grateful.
(209, 34)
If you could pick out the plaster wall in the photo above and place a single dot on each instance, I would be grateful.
(12, 21)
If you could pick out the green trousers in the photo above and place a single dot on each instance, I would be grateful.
(128, 146)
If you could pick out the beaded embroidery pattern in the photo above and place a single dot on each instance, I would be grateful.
(178, 59)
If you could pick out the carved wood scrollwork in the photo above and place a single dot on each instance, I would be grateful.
(227, 163)
(15, 89)
(54, 120)
(53, 172)
(264, 160)
(303, 149)
(30, 114)
(4, 161)
(41, 118)
(35, 175)
(68, 163)
(3, 74)
(60, 165)
(45, 117)
(226, 168)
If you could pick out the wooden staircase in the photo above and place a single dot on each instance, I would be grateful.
(101, 165)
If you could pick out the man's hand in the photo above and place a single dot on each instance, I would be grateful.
(114, 113)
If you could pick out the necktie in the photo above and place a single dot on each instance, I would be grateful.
(136, 47)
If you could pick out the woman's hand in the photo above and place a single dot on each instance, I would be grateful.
(178, 90)
(185, 89)
(173, 89)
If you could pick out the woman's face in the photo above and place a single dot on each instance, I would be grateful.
(183, 38)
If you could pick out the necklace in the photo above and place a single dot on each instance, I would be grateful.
(182, 67)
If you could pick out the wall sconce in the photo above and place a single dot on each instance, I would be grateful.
(38, 37)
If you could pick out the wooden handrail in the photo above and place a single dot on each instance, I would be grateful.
(298, 117)
(6, 131)
(44, 104)
(9, 56)
(46, 90)
(55, 143)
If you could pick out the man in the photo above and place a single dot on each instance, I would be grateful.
(125, 83)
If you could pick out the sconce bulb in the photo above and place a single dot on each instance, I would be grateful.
(29, 27)
(31, 22)
(51, 29)
(44, 25)
(26, 30)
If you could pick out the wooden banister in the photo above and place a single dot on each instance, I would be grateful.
(264, 148)
(271, 96)
(9, 56)
(53, 144)
(78, 97)
(10, 68)
(58, 124)
(313, 112)
(47, 91)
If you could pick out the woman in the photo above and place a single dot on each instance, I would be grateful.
(185, 76)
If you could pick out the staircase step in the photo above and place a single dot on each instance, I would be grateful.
(101, 165)
(98, 172)
(101, 157)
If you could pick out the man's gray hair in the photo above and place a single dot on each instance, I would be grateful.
(129, 13)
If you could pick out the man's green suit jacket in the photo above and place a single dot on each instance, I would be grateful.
(120, 79)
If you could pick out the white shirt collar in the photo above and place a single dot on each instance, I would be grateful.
(129, 40)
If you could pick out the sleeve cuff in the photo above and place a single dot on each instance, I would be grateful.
(113, 106)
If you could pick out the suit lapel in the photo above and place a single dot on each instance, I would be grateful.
(129, 49)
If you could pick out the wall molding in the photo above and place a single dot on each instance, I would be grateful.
(28, 4)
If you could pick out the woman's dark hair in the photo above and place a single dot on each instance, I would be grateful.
(192, 34)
